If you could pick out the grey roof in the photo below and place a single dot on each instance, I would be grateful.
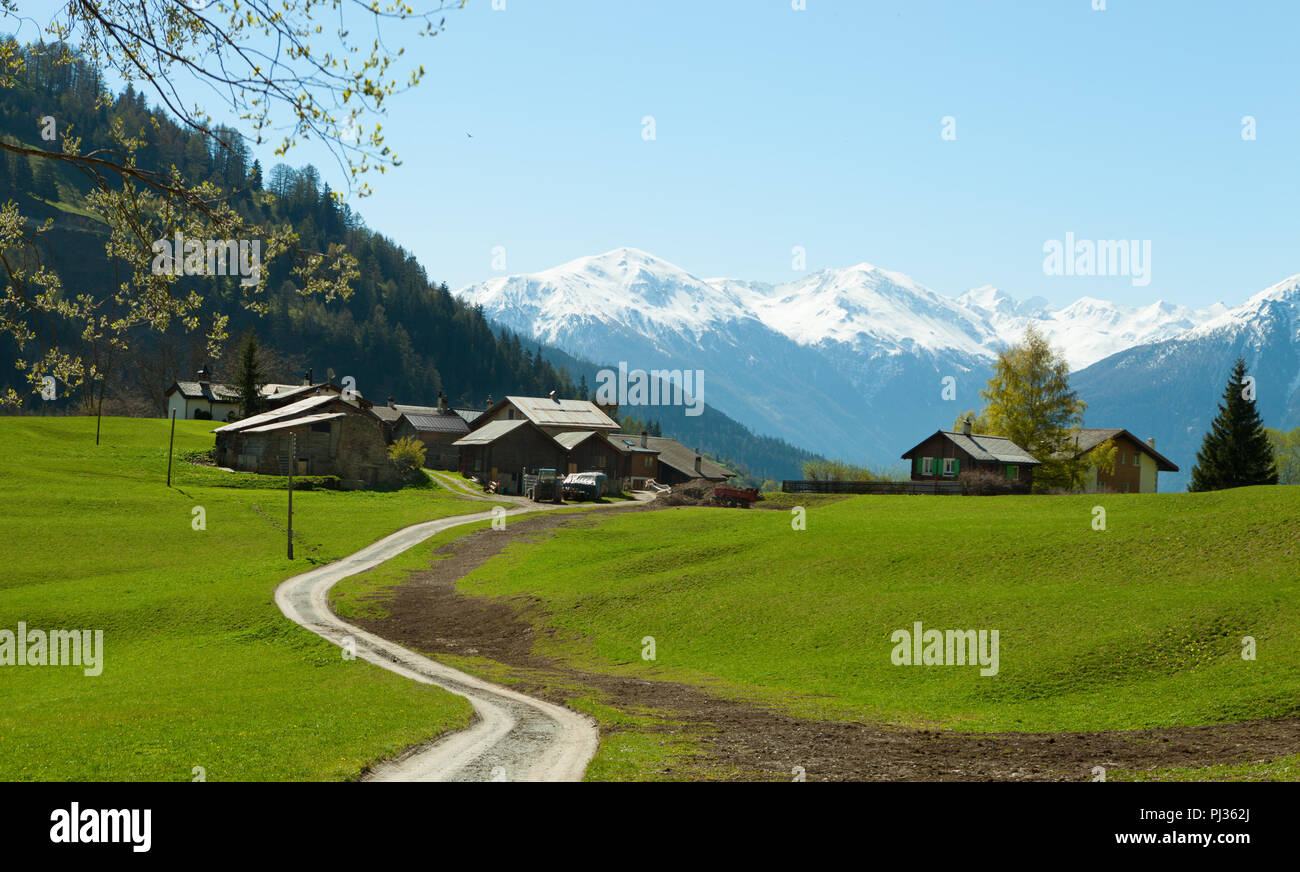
(573, 438)
(210, 391)
(296, 422)
(1089, 438)
(490, 432)
(682, 459)
(437, 422)
(292, 410)
(223, 393)
(987, 448)
(570, 414)
(395, 411)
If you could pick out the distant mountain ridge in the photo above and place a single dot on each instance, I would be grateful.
(846, 362)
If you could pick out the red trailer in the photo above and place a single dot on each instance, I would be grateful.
(740, 497)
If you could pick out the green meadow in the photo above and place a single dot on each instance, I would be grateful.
(200, 667)
(1139, 625)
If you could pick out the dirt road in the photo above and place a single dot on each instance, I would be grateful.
(513, 737)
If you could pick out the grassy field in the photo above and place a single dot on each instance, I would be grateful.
(1137, 625)
(200, 668)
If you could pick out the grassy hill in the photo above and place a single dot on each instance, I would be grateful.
(1137, 625)
(200, 668)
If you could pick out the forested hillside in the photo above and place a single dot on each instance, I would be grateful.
(401, 333)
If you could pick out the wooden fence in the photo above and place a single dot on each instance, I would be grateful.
(949, 488)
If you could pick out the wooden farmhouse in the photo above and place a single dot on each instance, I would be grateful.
(325, 434)
(946, 455)
(677, 463)
(504, 450)
(1137, 463)
(520, 435)
(638, 463)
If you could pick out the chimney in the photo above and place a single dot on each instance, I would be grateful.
(697, 465)
(552, 396)
(392, 402)
(203, 373)
(489, 402)
(643, 439)
(1151, 441)
(307, 379)
(965, 427)
(442, 402)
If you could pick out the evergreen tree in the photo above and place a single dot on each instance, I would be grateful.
(24, 182)
(47, 187)
(255, 176)
(1236, 452)
(249, 378)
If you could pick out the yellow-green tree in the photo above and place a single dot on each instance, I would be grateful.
(408, 455)
(1286, 452)
(1102, 457)
(979, 423)
(1029, 401)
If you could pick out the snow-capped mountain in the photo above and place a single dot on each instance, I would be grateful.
(847, 362)
(1171, 389)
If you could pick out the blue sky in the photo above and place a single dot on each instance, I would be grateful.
(821, 128)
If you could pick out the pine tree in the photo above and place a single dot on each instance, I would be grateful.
(47, 186)
(249, 377)
(24, 182)
(1236, 452)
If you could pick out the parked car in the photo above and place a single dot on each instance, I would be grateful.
(585, 485)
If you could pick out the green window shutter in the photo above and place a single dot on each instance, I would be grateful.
(1009, 471)
(956, 466)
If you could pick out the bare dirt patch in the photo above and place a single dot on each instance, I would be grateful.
(741, 740)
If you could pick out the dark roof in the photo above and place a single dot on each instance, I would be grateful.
(1089, 438)
(679, 457)
(982, 447)
(436, 423)
(628, 442)
(390, 414)
(210, 391)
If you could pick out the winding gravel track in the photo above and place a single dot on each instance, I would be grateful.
(513, 737)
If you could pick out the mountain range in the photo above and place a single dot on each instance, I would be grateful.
(853, 362)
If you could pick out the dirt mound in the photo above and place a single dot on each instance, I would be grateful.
(696, 492)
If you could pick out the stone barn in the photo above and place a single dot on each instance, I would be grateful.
(320, 435)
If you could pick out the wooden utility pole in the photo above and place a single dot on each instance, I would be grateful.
(170, 443)
(293, 456)
(99, 415)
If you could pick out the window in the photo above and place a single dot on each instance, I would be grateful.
(1123, 458)
(926, 467)
(1013, 473)
(1125, 487)
(948, 465)
(1137, 459)
(320, 427)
